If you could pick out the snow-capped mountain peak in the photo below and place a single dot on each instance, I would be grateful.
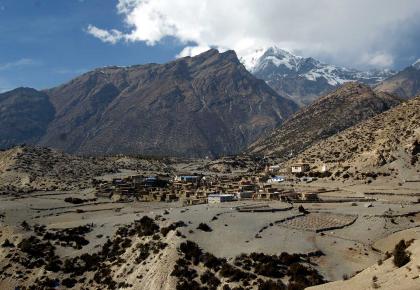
(416, 64)
(250, 60)
(274, 56)
(277, 61)
(304, 78)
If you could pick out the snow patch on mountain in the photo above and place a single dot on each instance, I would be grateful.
(416, 64)
(251, 60)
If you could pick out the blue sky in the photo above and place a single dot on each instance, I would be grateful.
(44, 43)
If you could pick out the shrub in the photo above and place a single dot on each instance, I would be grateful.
(164, 231)
(182, 270)
(211, 262)
(271, 285)
(302, 209)
(34, 247)
(296, 286)
(69, 282)
(71, 235)
(401, 256)
(210, 279)
(25, 226)
(53, 264)
(7, 244)
(74, 200)
(144, 253)
(146, 226)
(288, 259)
(204, 227)
(296, 270)
(235, 275)
(103, 276)
(188, 285)
(191, 251)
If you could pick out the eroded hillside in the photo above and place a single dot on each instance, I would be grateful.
(388, 143)
(345, 107)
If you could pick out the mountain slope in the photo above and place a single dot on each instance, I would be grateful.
(341, 109)
(405, 84)
(24, 116)
(385, 276)
(28, 168)
(305, 79)
(388, 141)
(204, 105)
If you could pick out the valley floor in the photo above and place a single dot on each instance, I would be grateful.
(352, 235)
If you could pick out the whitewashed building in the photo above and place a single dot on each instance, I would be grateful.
(277, 179)
(273, 168)
(219, 198)
(300, 167)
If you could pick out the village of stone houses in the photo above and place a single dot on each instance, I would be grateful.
(237, 222)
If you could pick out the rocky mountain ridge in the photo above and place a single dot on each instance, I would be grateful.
(330, 114)
(24, 115)
(405, 84)
(207, 105)
(386, 143)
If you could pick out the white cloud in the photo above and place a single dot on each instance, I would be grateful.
(66, 71)
(345, 30)
(193, 50)
(19, 63)
(379, 59)
(110, 36)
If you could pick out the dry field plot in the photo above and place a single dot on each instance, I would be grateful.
(319, 222)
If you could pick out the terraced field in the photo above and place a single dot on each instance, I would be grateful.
(319, 222)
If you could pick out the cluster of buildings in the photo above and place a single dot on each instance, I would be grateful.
(197, 189)
(300, 171)
(141, 188)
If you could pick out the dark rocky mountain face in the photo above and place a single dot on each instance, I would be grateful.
(24, 116)
(339, 110)
(204, 105)
(305, 79)
(405, 84)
